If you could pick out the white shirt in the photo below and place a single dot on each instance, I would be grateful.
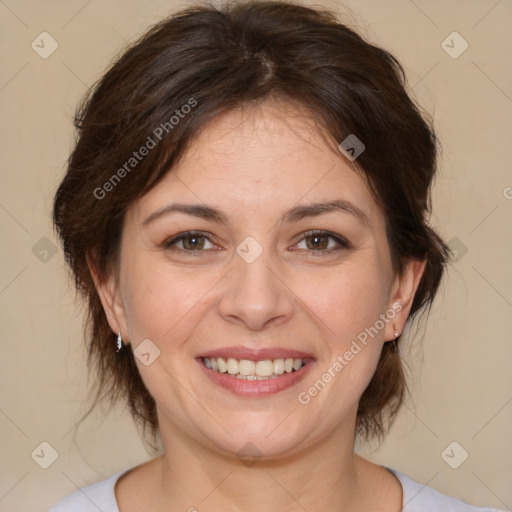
(416, 498)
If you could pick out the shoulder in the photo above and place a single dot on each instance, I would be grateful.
(99, 496)
(421, 498)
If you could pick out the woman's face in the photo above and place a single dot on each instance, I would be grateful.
(259, 289)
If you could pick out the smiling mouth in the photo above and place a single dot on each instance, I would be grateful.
(245, 369)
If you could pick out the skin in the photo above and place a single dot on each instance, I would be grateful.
(254, 165)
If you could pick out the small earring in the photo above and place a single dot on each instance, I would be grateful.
(119, 343)
(394, 344)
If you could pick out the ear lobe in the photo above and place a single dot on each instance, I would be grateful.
(405, 287)
(107, 290)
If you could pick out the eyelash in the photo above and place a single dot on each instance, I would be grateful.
(344, 244)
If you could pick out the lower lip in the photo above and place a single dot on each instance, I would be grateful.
(256, 388)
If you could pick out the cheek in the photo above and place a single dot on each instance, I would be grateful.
(347, 299)
(347, 303)
(164, 302)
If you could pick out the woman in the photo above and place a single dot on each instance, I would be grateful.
(246, 210)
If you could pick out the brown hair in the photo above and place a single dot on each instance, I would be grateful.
(215, 60)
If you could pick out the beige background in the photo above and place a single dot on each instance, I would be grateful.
(461, 360)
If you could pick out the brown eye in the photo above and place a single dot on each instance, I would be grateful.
(317, 242)
(320, 241)
(191, 242)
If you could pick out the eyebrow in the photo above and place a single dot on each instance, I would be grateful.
(294, 214)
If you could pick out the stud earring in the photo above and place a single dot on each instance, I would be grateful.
(119, 343)
(394, 344)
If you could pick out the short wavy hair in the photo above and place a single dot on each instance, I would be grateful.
(225, 57)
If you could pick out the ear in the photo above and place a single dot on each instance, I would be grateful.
(402, 296)
(108, 291)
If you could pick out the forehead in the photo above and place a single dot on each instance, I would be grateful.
(270, 156)
(270, 135)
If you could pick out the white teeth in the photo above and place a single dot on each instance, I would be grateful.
(222, 364)
(264, 368)
(247, 367)
(254, 370)
(233, 366)
(278, 366)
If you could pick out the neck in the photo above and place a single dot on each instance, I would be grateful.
(325, 476)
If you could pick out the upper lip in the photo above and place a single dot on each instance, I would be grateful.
(259, 354)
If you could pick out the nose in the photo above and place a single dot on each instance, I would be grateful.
(255, 295)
